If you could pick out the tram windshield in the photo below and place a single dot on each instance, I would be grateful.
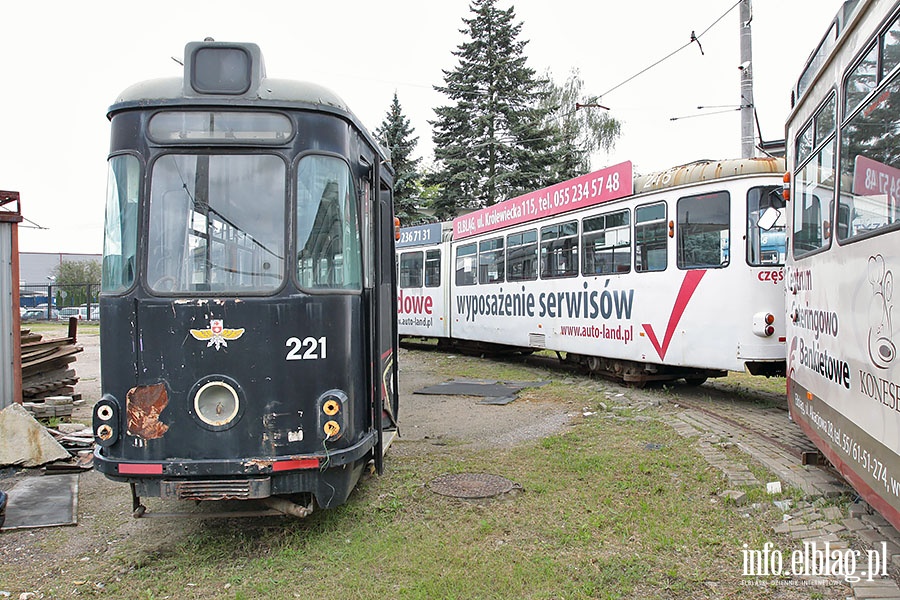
(216, 223)
(766, 226)
(328, 244)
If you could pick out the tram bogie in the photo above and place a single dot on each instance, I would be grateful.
(248, 341)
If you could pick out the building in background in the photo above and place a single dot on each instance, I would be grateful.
(36, 268)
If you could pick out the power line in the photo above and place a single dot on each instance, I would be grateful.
(694, 38)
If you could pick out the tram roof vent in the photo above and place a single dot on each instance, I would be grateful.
(222, 69)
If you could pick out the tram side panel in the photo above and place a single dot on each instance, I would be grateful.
(694, 318)
(843, 372)
(842, 368)
(725, 315)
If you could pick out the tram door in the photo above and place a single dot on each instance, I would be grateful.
(386, 389)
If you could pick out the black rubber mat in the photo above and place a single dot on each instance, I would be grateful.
(494, 392)
(46, 501)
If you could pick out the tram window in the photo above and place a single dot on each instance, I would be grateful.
(704, 224)
(490, 261)
(870, 170)
(328, 240)
(824, 121)
(861, 81)
(411, 270)
(650, 238)
(559, 250)
(817, 60)
(815, 187)
(191, 127)
(367, 206)
(216, 223)
(120, 233)
(522, 256)
(766, 240)
(890, 48)
(465, 264)
(432, 268)
(606, 240)
(805, 143)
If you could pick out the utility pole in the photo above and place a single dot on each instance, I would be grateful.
(748, 145)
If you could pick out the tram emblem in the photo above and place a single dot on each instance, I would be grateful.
(216, 335)
(881, 348)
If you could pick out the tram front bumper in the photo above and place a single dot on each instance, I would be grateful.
(231, 469)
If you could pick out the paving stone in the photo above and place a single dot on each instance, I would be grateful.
(783, 528)
(870, 536)
(807, 534)
(738, 497)
(879, 588)
(834, 528)
(875, 520)
(820, 539)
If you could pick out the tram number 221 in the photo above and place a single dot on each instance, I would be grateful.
(308, 348)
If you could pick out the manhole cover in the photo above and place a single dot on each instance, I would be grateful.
(471, 485)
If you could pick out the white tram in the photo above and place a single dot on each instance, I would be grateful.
(677, 275)
(844, 228)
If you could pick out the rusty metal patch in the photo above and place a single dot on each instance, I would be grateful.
(144, 405)
(472, 485)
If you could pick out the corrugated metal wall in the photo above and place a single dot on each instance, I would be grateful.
(10, 345)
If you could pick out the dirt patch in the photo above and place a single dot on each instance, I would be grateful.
(440, 420)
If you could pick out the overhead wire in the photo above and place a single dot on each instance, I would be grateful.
(596, 99)
(694, 38)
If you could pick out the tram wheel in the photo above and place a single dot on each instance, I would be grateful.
(695, 381)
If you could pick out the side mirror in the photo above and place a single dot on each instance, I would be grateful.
(768, 218)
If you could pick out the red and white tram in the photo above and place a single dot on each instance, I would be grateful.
(676, 275)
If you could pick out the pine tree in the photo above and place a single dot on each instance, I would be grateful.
(396, 133)
(492, 142)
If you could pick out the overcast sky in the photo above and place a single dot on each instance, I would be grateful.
(64, 62)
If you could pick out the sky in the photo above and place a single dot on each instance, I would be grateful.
(60, 75)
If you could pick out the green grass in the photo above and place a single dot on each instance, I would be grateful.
(600, 516)
(615, 507)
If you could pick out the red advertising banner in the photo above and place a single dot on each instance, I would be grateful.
(872, 178)
(600, 186)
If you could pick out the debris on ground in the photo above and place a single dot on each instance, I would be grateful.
(48, 380)
(25, 442)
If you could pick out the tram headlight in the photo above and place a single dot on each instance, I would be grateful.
(106, 421)
(217, 404)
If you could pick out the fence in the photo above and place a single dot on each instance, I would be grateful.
(56, 301)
